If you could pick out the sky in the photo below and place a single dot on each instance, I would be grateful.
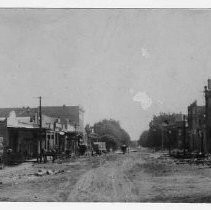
(124, 64)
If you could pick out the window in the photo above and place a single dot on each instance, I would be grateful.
(48, 145)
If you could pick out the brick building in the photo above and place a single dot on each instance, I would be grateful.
(197, 128)
(207, 92)
(175, 133)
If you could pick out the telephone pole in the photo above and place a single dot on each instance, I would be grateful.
(184, 134)
(40, 111)
(40, 126)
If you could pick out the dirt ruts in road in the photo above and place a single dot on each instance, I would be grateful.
(107, 183)
(144, 177)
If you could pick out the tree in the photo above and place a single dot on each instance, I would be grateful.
(143, 139)
(112, 128)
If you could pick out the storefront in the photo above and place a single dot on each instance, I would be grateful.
(23, 141)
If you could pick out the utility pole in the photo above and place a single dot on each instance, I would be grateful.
(40, 128)
(40, 111)
(184, 134)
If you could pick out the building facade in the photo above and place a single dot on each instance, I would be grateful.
(62, 129)
(175, 133)
(207, 92)
(19, 134)
(197, 128)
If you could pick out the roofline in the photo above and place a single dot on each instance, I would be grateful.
(35, 107)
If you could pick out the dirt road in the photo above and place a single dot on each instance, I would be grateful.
(143, 176)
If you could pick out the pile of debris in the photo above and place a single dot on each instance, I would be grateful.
(192, 158)
(43, 172)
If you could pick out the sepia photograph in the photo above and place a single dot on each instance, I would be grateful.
(105, 105)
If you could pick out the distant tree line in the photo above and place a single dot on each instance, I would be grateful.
(112, 133)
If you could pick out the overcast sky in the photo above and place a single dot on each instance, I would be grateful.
(120, 64)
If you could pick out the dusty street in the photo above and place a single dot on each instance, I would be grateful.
(141, 176)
